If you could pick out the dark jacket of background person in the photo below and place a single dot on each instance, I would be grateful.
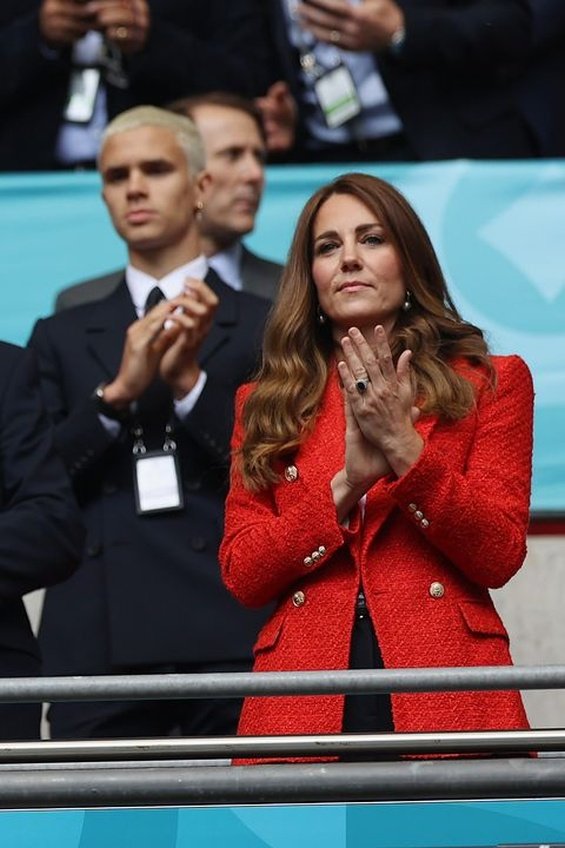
(540, 91)
(193, 47)
(452, 83)
(40, 527)
(149, 587)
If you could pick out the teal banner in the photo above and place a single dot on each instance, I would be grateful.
(539, 823)
(499, 230)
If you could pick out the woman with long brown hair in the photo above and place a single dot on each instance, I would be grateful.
(381, 475)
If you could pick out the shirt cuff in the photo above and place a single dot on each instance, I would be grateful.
(185, 405)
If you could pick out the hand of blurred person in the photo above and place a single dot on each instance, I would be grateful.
(279, 111)
(369, 25)
(190, 321)
(125, 23)
(62, 22)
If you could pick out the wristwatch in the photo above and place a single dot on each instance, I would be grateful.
(396, 42)
(105, 408)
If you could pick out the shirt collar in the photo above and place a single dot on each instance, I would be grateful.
(227, 265)
(172, 284)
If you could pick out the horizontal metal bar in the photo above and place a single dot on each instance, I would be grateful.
(304, 783)
(319, 745)
(230, 684)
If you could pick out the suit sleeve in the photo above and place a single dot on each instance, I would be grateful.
(79, 435)
(478, 518)
(467, 38)
(211, 421)
(41, 533)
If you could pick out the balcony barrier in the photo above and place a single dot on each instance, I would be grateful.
(163, 771)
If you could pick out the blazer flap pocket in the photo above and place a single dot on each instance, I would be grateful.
(482, 618)
(269, 635)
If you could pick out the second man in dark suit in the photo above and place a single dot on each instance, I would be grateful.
(141, 392)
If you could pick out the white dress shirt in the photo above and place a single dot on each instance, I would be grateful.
(227, 265)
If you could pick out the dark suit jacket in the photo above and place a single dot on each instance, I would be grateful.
(452, 85)
(260, 277)
(41, 532)
(193, 47)
(148, 590)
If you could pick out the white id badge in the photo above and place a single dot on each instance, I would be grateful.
(337, 96)
(157, 482)
(83, 88)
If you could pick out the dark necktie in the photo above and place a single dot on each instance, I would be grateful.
(153, 298)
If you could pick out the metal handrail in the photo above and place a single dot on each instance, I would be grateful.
(315, 745)
(163, 771)
(237, 684)
(296, 783)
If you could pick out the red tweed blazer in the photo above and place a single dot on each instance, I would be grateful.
(431, 544)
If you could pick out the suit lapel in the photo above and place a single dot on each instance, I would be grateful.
(227, 316)
(106, 328)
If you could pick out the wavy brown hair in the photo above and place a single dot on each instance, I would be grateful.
(298, 350)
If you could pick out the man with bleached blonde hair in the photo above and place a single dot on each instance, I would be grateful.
(232, 136)
(141, 386)
(186, 132)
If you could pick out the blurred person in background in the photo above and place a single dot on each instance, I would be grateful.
(394, 80)
(41, 532)
(234, 142)
(540, 90)
(69, 66)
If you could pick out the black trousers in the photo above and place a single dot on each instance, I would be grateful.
(19, 722)
(366, 713)
(128, 719)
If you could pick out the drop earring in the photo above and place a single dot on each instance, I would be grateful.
(407, 305)
(199, 206)
(320, 315)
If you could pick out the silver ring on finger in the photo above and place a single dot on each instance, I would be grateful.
(362, 384)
